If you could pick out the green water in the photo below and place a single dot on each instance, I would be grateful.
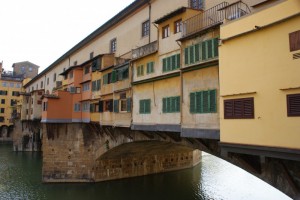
(213, 178)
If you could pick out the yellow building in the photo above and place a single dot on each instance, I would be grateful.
(10, 88)
(259, 81)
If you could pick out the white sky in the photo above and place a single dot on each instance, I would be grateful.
(40, 31)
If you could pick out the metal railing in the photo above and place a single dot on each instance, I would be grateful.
(145, 50)
(214, 16)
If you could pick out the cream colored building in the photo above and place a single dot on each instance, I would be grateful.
(259, 80)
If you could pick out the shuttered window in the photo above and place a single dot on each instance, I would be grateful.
(145, 106)
(171, 63)
(293, 105)
(96, 85)
(203, 101)
(202, 51)
(150, 67)
(294, 41)
(140, 70)
(171, 104)
(239, 108)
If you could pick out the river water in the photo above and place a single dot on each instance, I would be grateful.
(213, 178)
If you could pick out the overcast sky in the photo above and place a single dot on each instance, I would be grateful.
(40, 31)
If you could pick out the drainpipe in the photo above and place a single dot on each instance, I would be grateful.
(181, 83)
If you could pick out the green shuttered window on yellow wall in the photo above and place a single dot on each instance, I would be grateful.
(140, 70)
(171, 63)
(203, 101)
(171, 104)
(150, 67)
(145, 106)
(201, 51)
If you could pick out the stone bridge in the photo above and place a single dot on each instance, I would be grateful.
(91, 153)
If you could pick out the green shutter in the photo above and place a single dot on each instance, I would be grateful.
(105, 79)
(177, 104)
(209, 49)
(192, 102)
(128, 104)
(213, 101)
(197, 53)
(186, 56)
(113, 77)
(93, 85)
(204, 52)
(116, 106)
(199, 102)
(98, 85)
(164, 65)
(205, 98)
(148, 68)
(216, 47)
(164, 109)
(169, 63)
(174, 64)
(173, 104)
(142, 106)
(142, 70)
(191, 52)
(178, 61)
(148, 106)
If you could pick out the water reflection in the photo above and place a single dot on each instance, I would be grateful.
(20, 178)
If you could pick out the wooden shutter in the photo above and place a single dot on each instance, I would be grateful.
(197, 53)
(164, 65)
(293, 105)
(294, 41)
(100, 106)
(204, 51)
(216, 47)
(186, 56)
(128, 104)
(142, 106)
(212, 101)
(164, 108)
(205, 103)
(147, 106)
(113, 77)
(239, 108)
(178, 61)
(199, 102)
(177, 105)
(192, 102)
(174, 65)
(169, 63)
(209, 49)
(116, 106)
(191, 53)
(228, 109)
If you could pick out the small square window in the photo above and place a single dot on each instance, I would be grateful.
(113, 45)
(165, 31)
(146, 28)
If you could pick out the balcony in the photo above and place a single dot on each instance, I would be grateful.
(214, 16)
(145, 50)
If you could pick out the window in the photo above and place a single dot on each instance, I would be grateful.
(203, 102)
(96, 64)
(109, 78)
(146, 28)
(96, 85)
(2, 101)
(145, 106)
(91, 55)
(108, 105)
(15, 93)
(202, 51)
(165, 31)
(3, 84)
(77, 107)
(150, 67)
(32, 89)
(48, 81)
(30, 69)
(1, 119)
(94, 107)
(140, 70)
(239, 108)
(11, 85)
(71, 74)
(3, 92)
(294, 41)
(54, 77)
(18, 85)
(171, 63)
(171, 104)
(75, 62)
(86, 86)
(13, 102)
(87, 70)
(113, 45)
(123, 102)
(196, 4)
(293, 105)
(86, 106)
(178, 26)
(122, 73)
(23, 69)
(45, 106)
(2, 110)
(42, 84)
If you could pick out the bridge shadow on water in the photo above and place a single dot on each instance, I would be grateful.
(212, 178)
